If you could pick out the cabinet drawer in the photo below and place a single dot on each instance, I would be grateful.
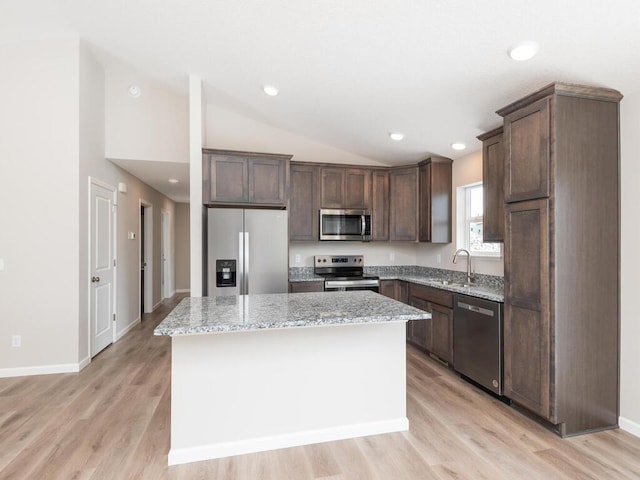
(430, 294)
(419, 303)
(299, 287)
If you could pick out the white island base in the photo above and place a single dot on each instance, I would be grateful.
(256, 390)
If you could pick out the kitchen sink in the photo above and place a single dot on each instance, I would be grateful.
(455, 284)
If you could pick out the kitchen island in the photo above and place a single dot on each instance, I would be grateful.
(258, 372)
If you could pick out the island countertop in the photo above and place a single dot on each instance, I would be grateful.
(283, 310)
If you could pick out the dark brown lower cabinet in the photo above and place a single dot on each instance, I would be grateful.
(527, 332)
(442, 332)
(435, 335)
(298, 287)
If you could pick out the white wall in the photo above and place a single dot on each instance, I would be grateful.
(39, 237)
(52, 119)
(154, 126)
(466, 170)
(182, 247)
(630, 263)
(375, 253)
(232, 131)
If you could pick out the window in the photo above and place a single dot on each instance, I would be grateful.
(472, 224)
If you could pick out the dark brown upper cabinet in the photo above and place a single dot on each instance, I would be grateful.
(380, 205)
(493, 186)
(304, 202)
(345, 188)
(528, 145)
(245, 178)
(403, 205)
(435, 201)
(561, 264)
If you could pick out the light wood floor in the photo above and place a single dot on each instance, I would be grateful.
(112, 421)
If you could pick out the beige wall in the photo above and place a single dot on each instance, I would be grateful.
(182, 247)
(630, 263)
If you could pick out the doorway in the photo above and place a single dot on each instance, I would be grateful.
(146, 257)
(165, 247)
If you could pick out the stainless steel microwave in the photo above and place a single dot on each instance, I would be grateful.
(345, 225)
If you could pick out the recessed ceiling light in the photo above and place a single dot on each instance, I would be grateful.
(173, 180)
(458, 146)
(523, 51)
(396, 136)
(134, 91)
(270, 90)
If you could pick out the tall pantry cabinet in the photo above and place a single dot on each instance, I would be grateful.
(562, 255)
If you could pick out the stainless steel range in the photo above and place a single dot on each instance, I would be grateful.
(344, 272)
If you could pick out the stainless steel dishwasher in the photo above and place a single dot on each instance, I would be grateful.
(477, 340)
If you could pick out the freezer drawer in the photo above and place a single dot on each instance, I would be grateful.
(477, 341)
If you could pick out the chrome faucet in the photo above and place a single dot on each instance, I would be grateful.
(470, 275)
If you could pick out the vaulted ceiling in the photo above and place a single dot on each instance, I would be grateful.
(351, 71)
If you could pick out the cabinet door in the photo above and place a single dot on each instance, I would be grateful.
(424, 213)
(304, 203)
(442, 332)
(228, 179)
(420, 331)
(527, 328)
(527, 152)
(332, 188)
(380, 206)
(435, 175)
(298, 287)
(388, 288)
(267, 181)
(357, 188)
(402, 291)
(403, 215)
(493, 189)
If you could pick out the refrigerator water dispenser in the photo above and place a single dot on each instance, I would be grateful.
(225, 273)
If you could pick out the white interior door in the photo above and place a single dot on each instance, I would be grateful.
(101, 267)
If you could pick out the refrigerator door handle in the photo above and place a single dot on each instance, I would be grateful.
(240, 272)
(246, 263)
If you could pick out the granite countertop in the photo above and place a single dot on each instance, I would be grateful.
(487, 292)
(283, 310)
(488, 287)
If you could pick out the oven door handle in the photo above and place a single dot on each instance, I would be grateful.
(351, 283)
(363, 225)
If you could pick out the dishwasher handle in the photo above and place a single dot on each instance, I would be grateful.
(473, 308)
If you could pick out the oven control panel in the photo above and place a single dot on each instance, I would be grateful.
(338, 260)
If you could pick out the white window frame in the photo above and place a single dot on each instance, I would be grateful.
(464, 221)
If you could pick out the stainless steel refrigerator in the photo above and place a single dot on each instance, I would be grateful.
(247, 251)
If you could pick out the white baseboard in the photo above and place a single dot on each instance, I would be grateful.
(83, 363)
(252, 445)
(183, 290)
(126, 329)
(629, 426)
(156, 306)
(41, 370)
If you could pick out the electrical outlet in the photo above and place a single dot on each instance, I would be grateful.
(438, 258)
(16, 341)
(297, 258)
(1, 264)
(392, 256)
